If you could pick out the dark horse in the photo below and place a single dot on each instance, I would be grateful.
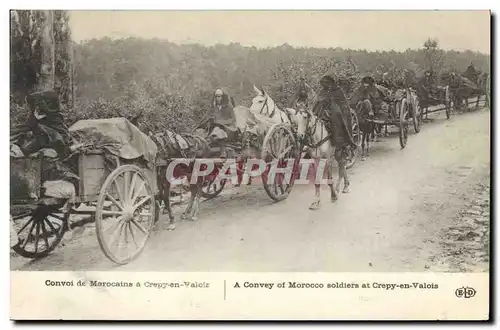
(365, 100)
(482, 82)
(430, 93)
(364, 109)
(463, 88)
(172, 146)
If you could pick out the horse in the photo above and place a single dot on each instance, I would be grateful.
(483, 85)
(263, 104)
(368, 128)
(428, 91)
(442, 96)
(462, 89)
(364, 110)
(252, 128)
(362, 101)
(171, 146)
(478, 78)
(312, 132)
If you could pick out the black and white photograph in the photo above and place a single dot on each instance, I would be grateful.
(250, 141)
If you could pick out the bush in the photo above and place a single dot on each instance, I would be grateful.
(172, 85)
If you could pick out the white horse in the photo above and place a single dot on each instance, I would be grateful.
(313, 132)
(263, 104)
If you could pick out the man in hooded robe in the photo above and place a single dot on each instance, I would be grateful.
(221, 120)
(45, 127)
(223, 106)
(333, 108)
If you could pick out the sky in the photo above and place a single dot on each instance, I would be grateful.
(371, 30)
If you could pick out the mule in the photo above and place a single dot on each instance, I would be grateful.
(483, 83)
(172, 146)
(263, 104)
(462, 89)
(442, 96)
(364, 110)
(312, 132)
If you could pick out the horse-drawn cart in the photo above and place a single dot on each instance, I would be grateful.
(273, 143)
(278, 147)
(115, 186)
(403, 108)
(356, 136)
(437, 95)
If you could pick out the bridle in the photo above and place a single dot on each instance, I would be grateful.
(310, 129)
(266, 105)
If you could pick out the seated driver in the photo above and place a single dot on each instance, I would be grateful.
(371, 96)
(221, 122)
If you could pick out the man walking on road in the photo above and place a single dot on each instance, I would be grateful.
(333, 108)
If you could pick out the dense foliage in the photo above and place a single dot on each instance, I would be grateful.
(172, 85)
(26, 58)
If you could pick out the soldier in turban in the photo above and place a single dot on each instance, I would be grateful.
(220, 122)
(333, 108)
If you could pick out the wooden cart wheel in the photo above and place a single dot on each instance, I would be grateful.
(447, 102)
(125, 213)
(416, 112)
(403, 123)
(212, 187)
(356, 136)
(40, 231)
(417, 117)
(278, 148)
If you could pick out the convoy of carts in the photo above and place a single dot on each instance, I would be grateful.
(117, 185)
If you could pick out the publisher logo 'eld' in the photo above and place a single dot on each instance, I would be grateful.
(465, 292)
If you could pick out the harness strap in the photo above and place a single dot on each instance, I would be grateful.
(288, 115)
(274, 110)
(320, 143)
(172, 136)
(326, 138)
(263, 106)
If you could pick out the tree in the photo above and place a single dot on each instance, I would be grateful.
(173, 85)
(46, 76)
(41, 54)
(63, 58)
(433, 55)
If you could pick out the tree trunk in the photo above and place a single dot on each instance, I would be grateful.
(22, 75)
(73, 89)
(63, 59)
(47, 69)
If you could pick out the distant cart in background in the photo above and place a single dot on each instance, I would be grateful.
(403, 109)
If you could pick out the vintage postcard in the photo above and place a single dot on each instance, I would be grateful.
(250, 165)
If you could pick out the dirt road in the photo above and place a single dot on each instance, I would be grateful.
(404, 205)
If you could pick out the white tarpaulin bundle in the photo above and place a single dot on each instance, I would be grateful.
(117, 136)
(60, 189)
(247, 121)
